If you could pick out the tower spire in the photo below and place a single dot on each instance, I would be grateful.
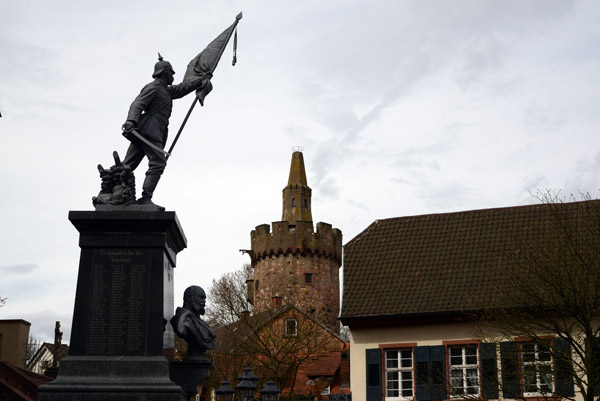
(297, 193)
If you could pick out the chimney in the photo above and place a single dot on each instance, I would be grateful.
(277, 300)
(345, 366)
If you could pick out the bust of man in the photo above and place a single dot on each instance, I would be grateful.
(189, 326)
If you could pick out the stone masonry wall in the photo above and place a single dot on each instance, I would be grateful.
(284, 275)
(283, 258)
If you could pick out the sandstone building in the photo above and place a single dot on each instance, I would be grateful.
(293, 263)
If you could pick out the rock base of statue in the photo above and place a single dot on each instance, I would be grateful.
(123, 303)
(190, 374)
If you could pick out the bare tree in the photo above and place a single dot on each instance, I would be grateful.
(227, 297)
(31, 348)
(277, 343)
(551, 293)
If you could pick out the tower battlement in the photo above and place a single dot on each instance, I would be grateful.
(299, 238)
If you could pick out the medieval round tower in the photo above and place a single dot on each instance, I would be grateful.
(293, 263)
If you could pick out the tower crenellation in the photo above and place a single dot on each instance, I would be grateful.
(292, 261)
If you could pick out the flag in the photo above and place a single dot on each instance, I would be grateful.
(207, 60)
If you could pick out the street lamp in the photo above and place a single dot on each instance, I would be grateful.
(245, 390)
(248, 374)
(224, 392)
(270, 392)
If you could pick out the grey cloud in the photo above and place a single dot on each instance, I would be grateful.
(446, 196)
(19, 269)
(43, 323)
(358, 205)
(327, 188)
(470, 37)
(585, 177)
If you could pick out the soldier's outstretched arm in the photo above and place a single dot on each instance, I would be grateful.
(182, 89)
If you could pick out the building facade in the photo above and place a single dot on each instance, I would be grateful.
(414, 286)
(293, 263)
(14, 335)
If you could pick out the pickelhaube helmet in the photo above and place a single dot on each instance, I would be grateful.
(161, 66)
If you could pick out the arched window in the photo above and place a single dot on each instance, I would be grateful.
(293, 202)
(305, 204)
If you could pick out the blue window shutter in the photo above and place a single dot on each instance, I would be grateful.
(373, 357)
(564, 368)
(489, 370)
(509, 360)
(437, 358)
(423, 379)
(594, 366)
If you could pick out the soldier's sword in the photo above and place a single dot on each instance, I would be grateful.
(147, 142)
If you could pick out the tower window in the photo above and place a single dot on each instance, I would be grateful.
(293, 202)
(308, 278)
(305, 204)
(291, 327)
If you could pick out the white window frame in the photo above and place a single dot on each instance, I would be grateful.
(537, 361)
(461, 364)
(401, 371)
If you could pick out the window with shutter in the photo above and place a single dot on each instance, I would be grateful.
(399, 374)
(463, 362)
(536, 369)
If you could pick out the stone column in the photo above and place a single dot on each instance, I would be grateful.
(123, 304)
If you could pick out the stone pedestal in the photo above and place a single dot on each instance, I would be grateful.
(123, 304)
(190, 373)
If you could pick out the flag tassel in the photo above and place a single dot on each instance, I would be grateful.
(234, 47)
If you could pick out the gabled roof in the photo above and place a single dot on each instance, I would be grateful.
(256, 322)
(48, 348)
(437, 264)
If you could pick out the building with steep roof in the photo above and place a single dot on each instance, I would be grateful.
(289, 344)
(410, 285)
(293, 263)
(45, 356)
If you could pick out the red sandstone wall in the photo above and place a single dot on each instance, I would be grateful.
(284, 275)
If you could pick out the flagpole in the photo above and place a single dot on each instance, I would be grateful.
(237, 20)
(182, 126)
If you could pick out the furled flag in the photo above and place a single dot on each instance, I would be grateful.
(207, 60)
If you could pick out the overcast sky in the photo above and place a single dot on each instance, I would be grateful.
(402, 108)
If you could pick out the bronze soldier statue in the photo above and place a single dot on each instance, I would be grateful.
(148, 121)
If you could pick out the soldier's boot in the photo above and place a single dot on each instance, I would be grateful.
(148, 188)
